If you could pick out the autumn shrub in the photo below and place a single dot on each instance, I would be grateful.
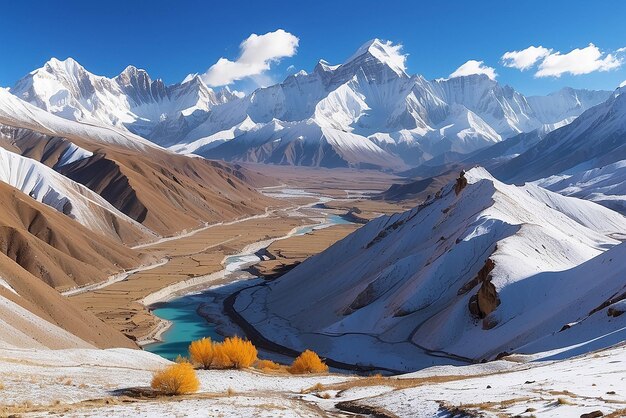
(308, 362)
(267, 365)
(176, 379)
(234, 352)
(181, 359)
(201, 352)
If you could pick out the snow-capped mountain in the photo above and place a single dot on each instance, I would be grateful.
(371, 96)
(583, 159)
(595, 139)
(19, 113)
(480, 269)
(131, 100)
(366, 111)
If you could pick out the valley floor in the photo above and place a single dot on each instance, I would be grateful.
(193, 260)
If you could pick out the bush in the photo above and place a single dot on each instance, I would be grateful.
(176, 379)
(234, 352)
(181, 359)
(267, 365)
(308, 362)
(201, 352)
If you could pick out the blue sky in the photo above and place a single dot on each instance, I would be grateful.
(171, 39)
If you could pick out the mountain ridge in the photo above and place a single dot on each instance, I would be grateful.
(369, 95)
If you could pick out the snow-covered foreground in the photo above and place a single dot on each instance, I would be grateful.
(88, 382)
(43, 379)
(570, 388)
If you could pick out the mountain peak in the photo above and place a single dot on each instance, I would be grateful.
(133, 73)
(68, 65)
(324, 66)
(383, 51)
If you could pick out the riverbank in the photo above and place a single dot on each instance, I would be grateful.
(180, 301)
(190, 260)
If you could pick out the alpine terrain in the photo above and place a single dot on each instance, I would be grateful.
(357, 239)
(365, 112)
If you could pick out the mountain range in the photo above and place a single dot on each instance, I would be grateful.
(366, 112)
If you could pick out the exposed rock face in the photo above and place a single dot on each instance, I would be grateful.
(461, 183)
(482, 276)
(486, 300)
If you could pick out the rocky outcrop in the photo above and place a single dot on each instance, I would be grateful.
(461, 183)
(482, 276)
(486, 300)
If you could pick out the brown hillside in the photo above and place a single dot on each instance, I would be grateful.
(55, 248)
(166, 192)
(48, 304)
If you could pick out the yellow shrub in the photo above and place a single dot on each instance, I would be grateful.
(181, 359)
(234, 352)
(267, 365)
(176, 379)
(201, 352)
(308, 362)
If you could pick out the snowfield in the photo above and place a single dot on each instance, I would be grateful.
(566, 388)
(92, 383)
(463, 277)
(16, 112)
(605, 185)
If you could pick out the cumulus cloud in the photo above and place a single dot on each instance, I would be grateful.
(474, 67)
(578, 61)
(526, 58)
(256, 54)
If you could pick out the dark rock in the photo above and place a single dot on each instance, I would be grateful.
(594, 414)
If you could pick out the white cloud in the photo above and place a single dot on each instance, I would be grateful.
(578, 61)
(623, 84)
(387, 51)
(257, 53)
(526, 58)
(474, 67)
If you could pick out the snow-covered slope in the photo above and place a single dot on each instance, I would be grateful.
(583, 386)
(464, 275)
(303, 143)
(66, 196)
(605, 185)
(18, 113)
(595, 139)
(369, 95)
